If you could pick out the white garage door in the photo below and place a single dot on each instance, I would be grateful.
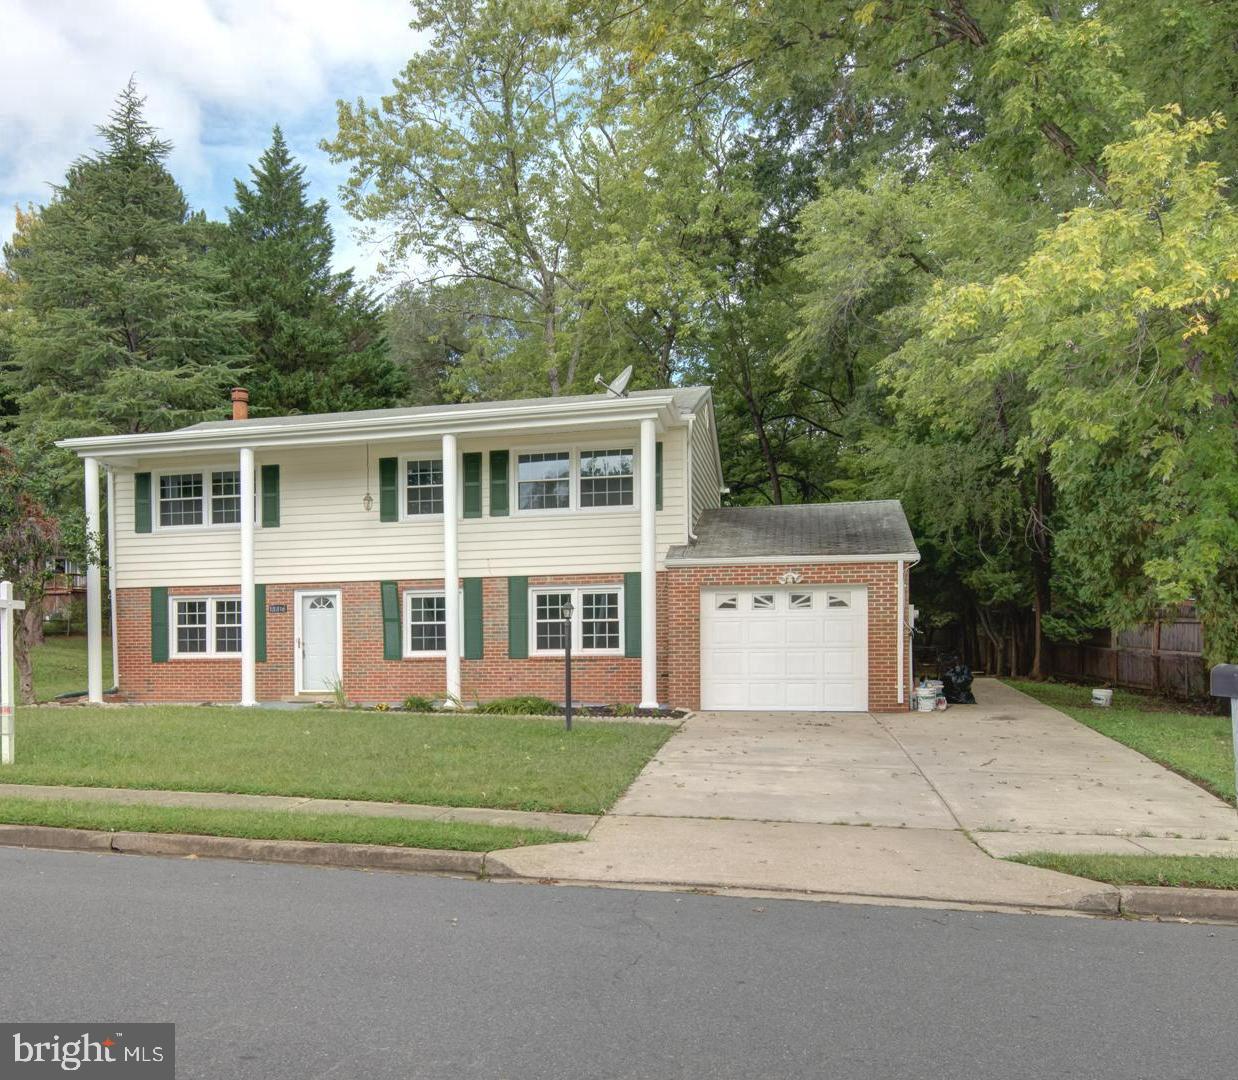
(785, 648)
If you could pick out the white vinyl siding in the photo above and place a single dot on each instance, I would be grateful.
(326, 534)
(706, 475)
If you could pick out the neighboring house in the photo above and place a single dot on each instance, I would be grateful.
(66, 587)
(334, 526)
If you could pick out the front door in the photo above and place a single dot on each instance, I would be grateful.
(319, 642)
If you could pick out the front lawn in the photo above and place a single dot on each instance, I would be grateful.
(1199, 746)
(272, 825)
(60, 666)
(1198, 871)
(519, 763)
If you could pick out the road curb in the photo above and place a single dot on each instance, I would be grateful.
(1170, 903)
(304, 852)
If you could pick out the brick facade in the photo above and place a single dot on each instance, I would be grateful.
(369, 678)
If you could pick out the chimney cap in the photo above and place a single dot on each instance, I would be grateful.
(239, 393)
(240, 403)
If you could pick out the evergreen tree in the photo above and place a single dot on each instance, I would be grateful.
(134, 331)
(317, 337)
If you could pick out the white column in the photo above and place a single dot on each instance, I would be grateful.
(451, 562)
(8, 673)
(249, 651)
(111, 572)
(902, 629)
(94, 590)
(648, 567)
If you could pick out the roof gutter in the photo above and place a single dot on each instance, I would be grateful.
(779, 560)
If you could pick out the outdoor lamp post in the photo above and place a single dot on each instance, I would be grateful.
(566, 611)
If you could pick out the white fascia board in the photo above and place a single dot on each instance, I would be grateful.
(606, 411)
(783, 560)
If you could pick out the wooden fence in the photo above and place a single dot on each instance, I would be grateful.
(1165, 657)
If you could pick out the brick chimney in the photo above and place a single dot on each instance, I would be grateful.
(240, 403)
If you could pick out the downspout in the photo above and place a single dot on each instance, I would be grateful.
(904, 568)
(111, 572)
(688, 512)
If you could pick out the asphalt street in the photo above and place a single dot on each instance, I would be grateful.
(288, 973)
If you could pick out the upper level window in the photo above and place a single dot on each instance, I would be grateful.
(606, 478)
(423, 487)
(544, 481)
(183, 500)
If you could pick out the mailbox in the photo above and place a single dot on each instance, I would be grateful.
(1225, 680)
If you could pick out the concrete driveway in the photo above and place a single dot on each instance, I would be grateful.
(1008, 764)
(772, 801)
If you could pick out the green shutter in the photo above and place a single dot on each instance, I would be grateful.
(260, 618)
(388, 496)
(498, 483)
(158, 624)
(631, 614)
(518, 617)
(392, 649)
(141, 502)
(472, 486)
(657, 476)
(270, 496)
(474, 637)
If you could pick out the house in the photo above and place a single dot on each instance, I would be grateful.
(66, 587)
(431, 551)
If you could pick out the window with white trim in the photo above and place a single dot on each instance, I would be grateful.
(206, 626)
(544, 480)
(837, 600)
(195, 499)
(596, 625)
(423, 486)
(801, 601)
(763, 602)
(425, 623)
(606, 478)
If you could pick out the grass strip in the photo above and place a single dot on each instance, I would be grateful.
(1195, 871)
(273, 825)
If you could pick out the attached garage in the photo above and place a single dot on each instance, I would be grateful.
(785, 648)
(782, 608)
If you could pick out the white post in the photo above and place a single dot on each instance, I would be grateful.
(902, 601)
(94, 592)
(111, 572)
(248, 615)
(8, 672)
(648, 567)
(451, 563)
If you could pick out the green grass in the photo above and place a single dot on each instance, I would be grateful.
(520, 763)
(272, 825)
(1199, 871)
(1199, 746)
(60, 666)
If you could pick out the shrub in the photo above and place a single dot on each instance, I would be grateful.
(524, 705)
(623, 708)
(418, 703)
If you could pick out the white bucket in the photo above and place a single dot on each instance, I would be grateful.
(1102, 698)
(926, 698)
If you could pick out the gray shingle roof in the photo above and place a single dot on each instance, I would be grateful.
(842, 528)
(687, 399)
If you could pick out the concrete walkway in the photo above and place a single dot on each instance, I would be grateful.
(773, 801)
(576, 824)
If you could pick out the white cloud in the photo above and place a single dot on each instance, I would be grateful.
(216, 74)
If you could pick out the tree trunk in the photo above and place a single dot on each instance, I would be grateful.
(22, 650)
(758, 426)
(1042, 561)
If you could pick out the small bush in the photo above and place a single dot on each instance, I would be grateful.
(524, 705)
(418, 703)
(382, 706)
(623, 708)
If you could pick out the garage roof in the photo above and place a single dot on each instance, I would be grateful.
(835, 531)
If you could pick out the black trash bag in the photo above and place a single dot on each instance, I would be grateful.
(956, 684)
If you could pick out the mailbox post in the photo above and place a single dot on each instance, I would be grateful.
(1225, 684)
(8, 689)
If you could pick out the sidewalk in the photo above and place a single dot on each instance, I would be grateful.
(578, 824)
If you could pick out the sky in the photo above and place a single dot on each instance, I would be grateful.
(217, 75)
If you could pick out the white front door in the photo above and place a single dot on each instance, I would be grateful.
(319, 641)
(800, 647)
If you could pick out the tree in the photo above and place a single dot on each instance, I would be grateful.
(316, 338)
(135, 332)
(29, 537)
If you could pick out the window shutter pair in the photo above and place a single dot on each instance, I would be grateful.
(518, 616)
(393, 644)
(160, 631)
(270, 499)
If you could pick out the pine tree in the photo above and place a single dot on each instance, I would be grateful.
(317, 337)
(134, 330)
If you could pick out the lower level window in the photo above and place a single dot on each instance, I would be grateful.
(206, 626)
(427, 623)
(596, 622)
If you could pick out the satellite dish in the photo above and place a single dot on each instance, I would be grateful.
(619, 388)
